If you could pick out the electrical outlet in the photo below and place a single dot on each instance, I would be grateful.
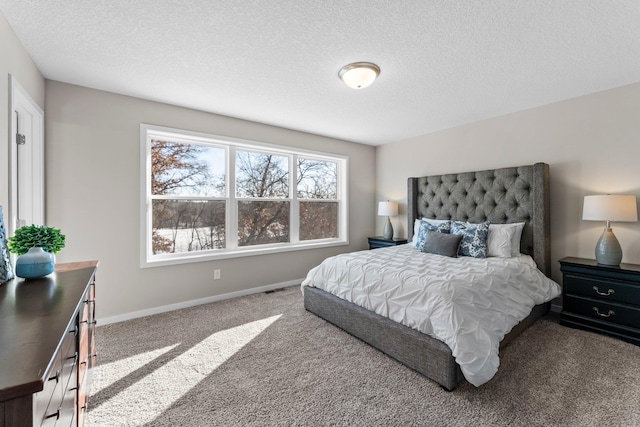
(216, 274)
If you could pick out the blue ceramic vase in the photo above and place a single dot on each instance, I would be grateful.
(35, 263)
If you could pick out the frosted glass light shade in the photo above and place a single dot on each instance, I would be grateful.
(359, 75)
(387, 208)
(610, 207)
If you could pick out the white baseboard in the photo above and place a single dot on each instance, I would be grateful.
(194, 302)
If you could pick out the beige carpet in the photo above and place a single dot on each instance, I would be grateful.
(263, 360)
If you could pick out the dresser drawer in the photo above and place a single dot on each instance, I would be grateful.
(69, 356)
(67, 408)
(48, 400)
(601, 288)
(602, 310)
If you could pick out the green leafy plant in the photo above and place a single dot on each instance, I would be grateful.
(32, 236)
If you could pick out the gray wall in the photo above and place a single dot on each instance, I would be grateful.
(14, 60)
(93, 194)
(592, 144)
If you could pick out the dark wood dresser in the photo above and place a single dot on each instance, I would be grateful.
(47, 347)
(599, 298)
(380, 242)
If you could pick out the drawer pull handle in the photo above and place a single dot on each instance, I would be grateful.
(56, 377)
(609, 314)
(609, 292)
(55, 415)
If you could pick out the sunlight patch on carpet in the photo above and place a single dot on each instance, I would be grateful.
(148, 398)
(106, 374)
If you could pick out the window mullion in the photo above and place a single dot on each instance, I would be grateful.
(148, 200)
(294, 219)
(343, 196)
(232, 203)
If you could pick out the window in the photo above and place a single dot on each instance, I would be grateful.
(317, 189)
(262, 194)
(208, 197)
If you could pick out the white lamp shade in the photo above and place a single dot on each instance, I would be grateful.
(387, 208)
(359, 75)
(610, 207)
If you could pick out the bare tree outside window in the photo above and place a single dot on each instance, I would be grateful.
(186, 226)
(180, 169)
(225, 197)
(262, 222)
(187, 170)
(317, 179)
(318, 220)
(262, 176)
(317, 187)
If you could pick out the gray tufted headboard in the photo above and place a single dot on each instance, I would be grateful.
(501, 196)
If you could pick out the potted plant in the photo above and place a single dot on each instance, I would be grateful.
(35, 246)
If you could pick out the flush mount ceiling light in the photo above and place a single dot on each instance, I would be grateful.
(359, 74)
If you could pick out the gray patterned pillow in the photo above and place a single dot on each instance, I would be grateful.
(474, 238)
(425, 226)
(442, 243)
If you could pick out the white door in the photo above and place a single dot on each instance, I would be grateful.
(26, 194)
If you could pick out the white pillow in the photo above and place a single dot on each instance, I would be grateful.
(416, 226)
(499, 241)
(515, 238)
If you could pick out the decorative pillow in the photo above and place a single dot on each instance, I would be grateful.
(515, 238)
(416, 227)
(442, 243)
(443, 227)
(474, 238)
(499, 240)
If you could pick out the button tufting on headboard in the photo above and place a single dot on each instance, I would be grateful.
(518, 194)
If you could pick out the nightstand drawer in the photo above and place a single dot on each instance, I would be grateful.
(602, 310)
(600, 288)
(378, 246)
(622, 332)
(380, 242)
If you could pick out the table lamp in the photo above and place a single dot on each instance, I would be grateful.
(388, 209)
(610, 207)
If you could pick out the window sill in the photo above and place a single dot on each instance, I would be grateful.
(190, 257)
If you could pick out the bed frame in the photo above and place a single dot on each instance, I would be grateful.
(501, 196)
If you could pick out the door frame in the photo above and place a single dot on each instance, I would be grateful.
(20, 98)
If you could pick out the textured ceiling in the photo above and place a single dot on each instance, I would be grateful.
(444, 63)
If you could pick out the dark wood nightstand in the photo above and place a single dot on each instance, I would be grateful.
(380, 242)
(599, 298)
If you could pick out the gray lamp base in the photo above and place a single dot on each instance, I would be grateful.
(608, 250)
(388, 230)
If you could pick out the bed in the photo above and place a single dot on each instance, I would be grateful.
(501, 196)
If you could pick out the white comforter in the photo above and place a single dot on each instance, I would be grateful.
(470, 304)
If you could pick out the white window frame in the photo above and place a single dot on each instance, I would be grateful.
(232, 250)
